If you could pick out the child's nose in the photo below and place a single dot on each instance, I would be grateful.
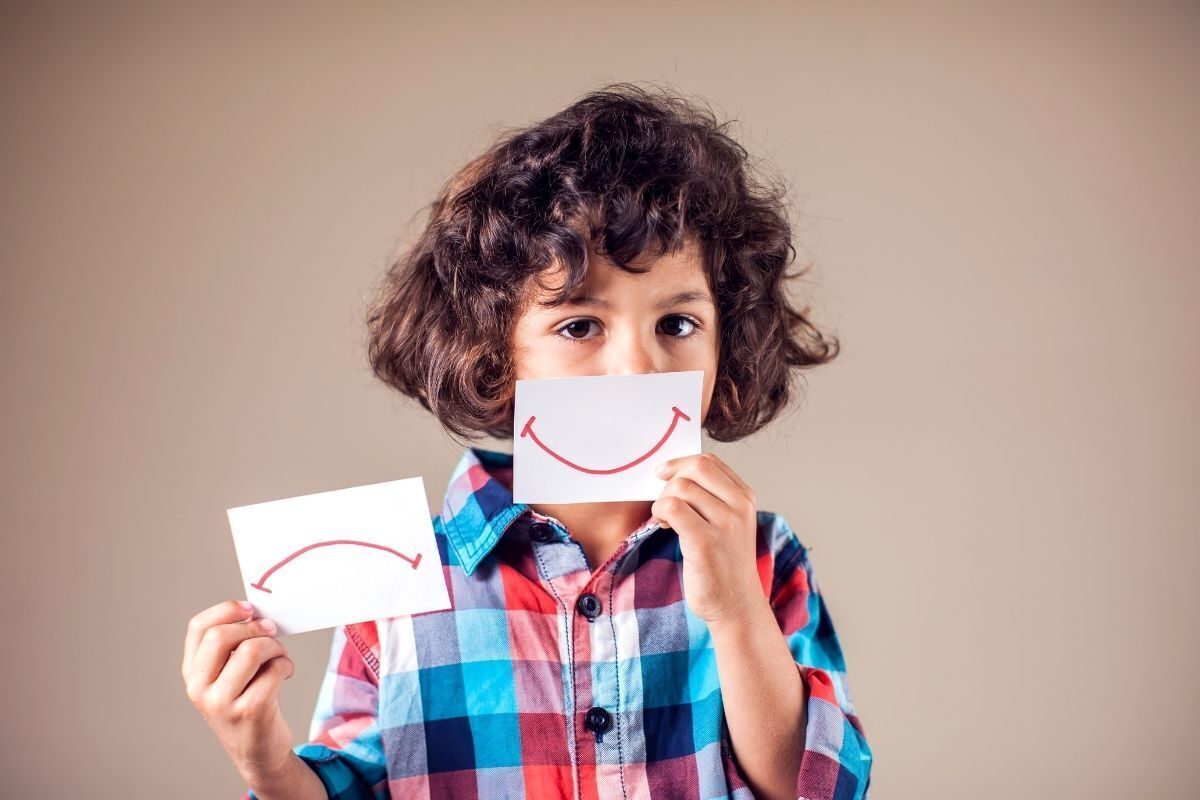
(630, 354)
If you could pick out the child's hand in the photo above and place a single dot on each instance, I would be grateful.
(223, 652)
(715, 514)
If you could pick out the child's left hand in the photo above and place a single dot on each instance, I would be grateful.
(715, 514)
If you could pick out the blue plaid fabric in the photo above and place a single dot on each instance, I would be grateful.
(553, 678)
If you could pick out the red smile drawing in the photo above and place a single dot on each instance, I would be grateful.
(528, 429)
(260, 584)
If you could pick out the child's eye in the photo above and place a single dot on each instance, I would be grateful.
(687, 321)
(576, 330)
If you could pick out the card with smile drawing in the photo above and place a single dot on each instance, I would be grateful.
(598, 438)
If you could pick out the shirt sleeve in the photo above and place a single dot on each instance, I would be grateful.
(346, 747)
(836, 763)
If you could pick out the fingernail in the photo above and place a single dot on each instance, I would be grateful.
(661, 470)
(247, 607)
(269, 626)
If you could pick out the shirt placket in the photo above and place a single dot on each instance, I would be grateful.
(594, 697)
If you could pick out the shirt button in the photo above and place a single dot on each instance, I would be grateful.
(541, 532)
(588, 605)
(597, 720)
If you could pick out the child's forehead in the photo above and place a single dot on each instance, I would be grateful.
(681, 270)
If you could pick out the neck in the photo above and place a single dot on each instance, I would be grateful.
(599, 524)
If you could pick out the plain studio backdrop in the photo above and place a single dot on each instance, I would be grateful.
(997, 476)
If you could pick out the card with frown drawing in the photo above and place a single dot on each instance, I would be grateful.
(342, 556)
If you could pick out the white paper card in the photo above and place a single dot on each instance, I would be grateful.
(339, 557)
(598, 438)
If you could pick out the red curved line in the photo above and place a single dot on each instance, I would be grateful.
(260, 584)
(528, 429)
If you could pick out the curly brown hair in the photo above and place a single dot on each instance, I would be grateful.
(620, 170)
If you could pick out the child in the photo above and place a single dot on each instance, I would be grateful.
(678, 648)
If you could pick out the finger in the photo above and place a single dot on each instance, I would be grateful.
(672, 464)
(733, 476)
(268, 681)
(220, 614)
(709, 474)
(217, 645)
(710, 507)
(244, 663)
(679, 515)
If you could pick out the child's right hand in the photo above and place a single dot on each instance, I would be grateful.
(222, 655)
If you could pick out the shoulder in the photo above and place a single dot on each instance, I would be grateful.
(781, 552)
(779, 537)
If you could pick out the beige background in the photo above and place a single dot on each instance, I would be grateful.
(997, 477)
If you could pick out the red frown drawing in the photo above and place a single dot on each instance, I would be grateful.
(260, 584)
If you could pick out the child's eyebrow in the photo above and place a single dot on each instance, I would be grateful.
(690, 296)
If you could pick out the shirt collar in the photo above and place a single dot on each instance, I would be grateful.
(478, 506)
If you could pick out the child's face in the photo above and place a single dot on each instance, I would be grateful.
(632, 324)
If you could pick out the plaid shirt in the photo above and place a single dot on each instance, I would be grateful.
(547, 679)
